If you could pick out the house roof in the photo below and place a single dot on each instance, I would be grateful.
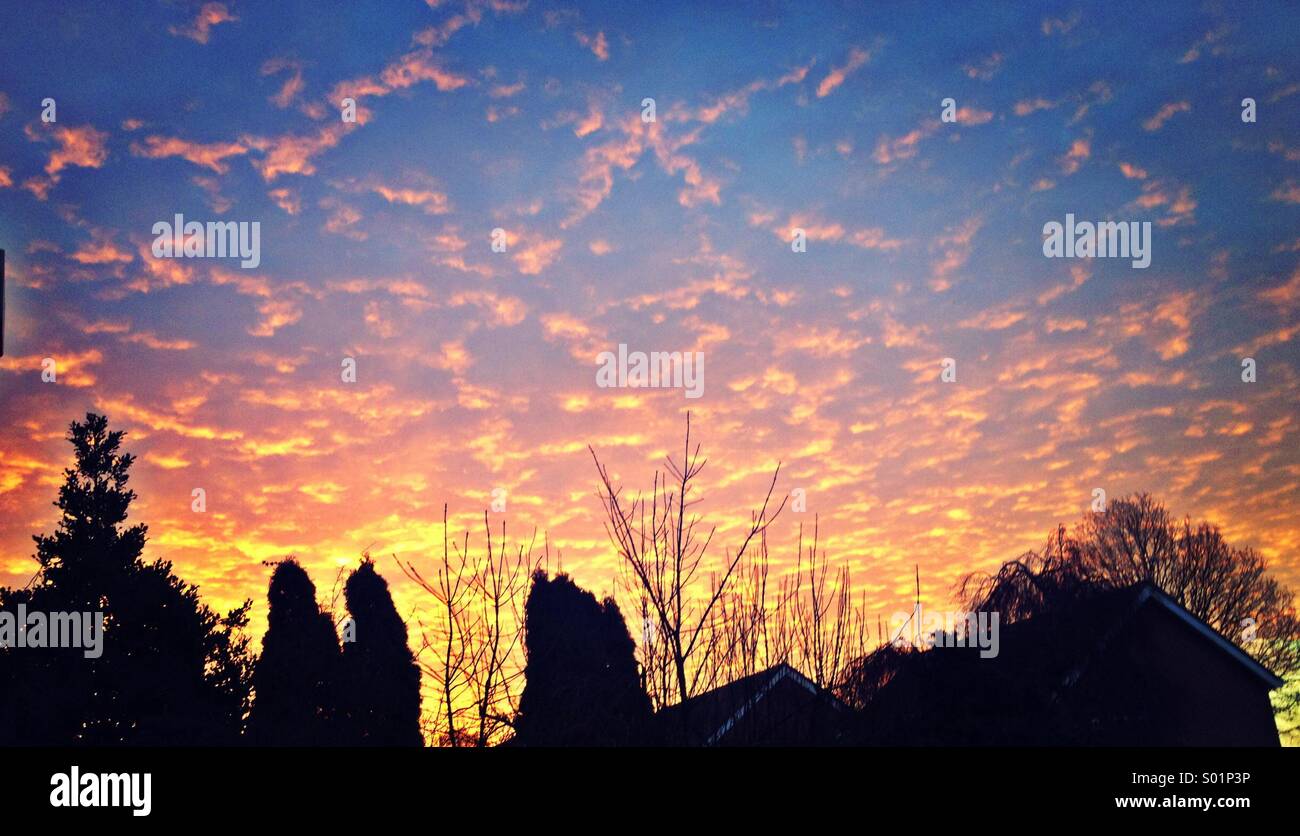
(1061, 644)
(711, 716)
(1149, 592)
(1054, 679)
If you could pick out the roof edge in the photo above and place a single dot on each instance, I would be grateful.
(1151, 592)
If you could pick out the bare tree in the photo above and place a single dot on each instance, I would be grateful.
(472, 651)
(1135, 540)
(665, 555)
(811, 622)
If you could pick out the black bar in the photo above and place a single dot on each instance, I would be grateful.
(1021, 786)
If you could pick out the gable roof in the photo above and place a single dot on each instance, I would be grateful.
(711, 716)
(1150, 593)
(1063, 676)
(1056, 647)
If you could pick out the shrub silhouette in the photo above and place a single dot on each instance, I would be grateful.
(295, 684)
(380, 683)
(171, 671)
(581, 682)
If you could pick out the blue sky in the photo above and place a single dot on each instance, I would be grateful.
(476, 368)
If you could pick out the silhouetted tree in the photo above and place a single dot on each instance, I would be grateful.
(664, 557)
(380, 681)
(581, 682)
(471, 650)
(295, 684)
(1135, 540)
(171, 670)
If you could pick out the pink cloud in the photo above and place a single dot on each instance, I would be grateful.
(210, 155)
(858, 58)
(1163, 115)
(597, 44)
(293, 153)
(200, 29)
(82, 147)
(292, 86)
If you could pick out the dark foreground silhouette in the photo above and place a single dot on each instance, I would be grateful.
(1131, 630)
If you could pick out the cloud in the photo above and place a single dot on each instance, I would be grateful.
(583, 124)
(892, 149)
(501, 310)
(293, 84)
(1060, 25)
(533, 252)
(212, 155)
(1163, 115)
(973, 116)
(417, 67)
(738, 100)
(1210, 39)
(496, 114)
(200, 29)
(72, 368)
(1024, 107)
(102, 250)
(413, 68)
(1174, 198)
(294, 153)
(343, 219)
(1285, 295)
(81, 147)
(1132, 172)
(505, 91)
(954, 246)
(816, 228)
(985, 68)
(595, 178)
(286, 199)
(1287, 192)
(1079, 151)
(858, 58)
(597, 44)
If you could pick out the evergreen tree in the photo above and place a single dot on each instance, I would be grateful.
(171, 671)
(381, 682)
(581, 682)
(295, 684)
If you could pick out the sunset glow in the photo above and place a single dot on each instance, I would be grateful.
(476, 370)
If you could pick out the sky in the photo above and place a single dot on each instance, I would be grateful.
(476, 369)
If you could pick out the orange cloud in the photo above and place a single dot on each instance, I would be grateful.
(211, 155)
(1080, 150)
(101, 250)
(293, 154)
(1286, 295)
(1164, 114)
(286, 199)
(985, 68)
(292, 86)
(597, 44)
(858, 58)
(432, 202)
(1024, 107)
(533, 252)
(1132, 172)
(200, 29)
(83, 147)
(1287, 192)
